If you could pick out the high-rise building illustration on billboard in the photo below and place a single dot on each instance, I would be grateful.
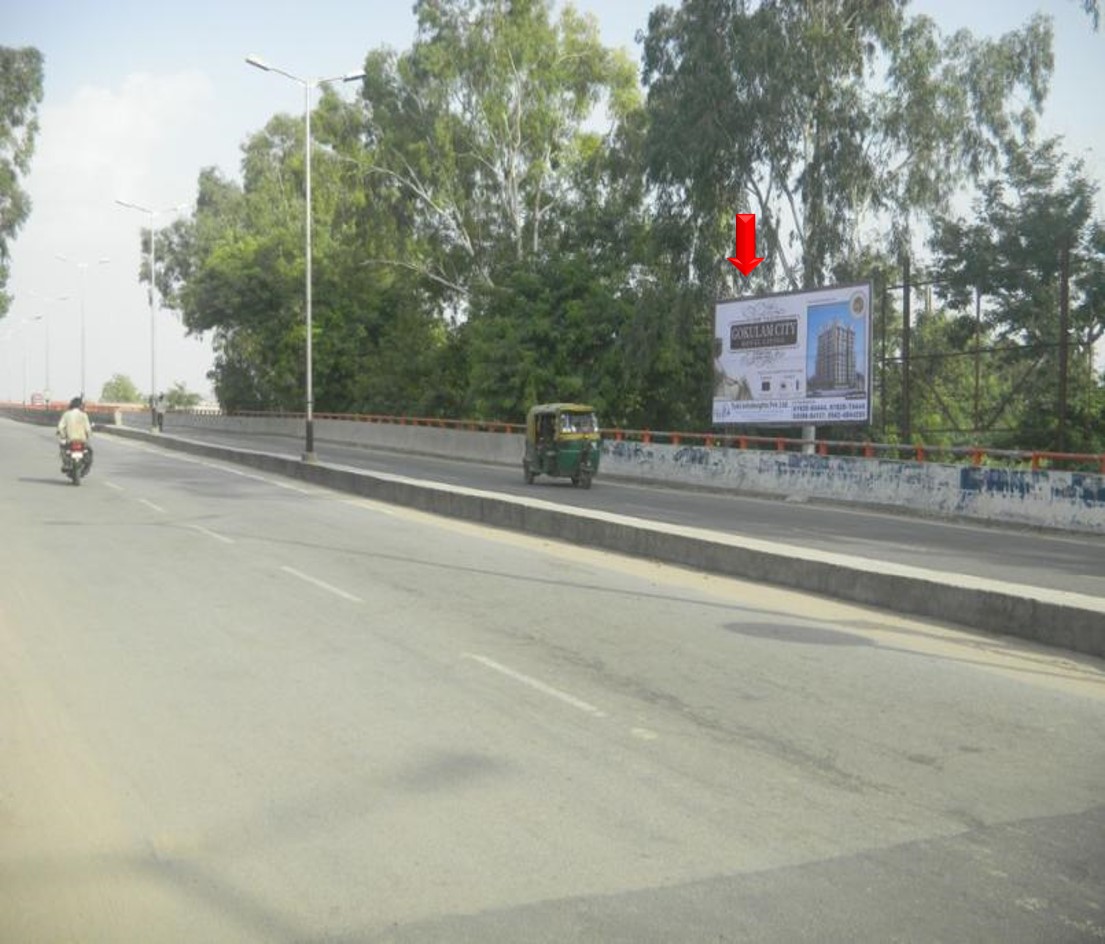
(836, 358)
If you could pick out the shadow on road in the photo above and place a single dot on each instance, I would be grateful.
(36, 481)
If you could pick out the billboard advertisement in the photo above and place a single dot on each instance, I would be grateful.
(801, 358)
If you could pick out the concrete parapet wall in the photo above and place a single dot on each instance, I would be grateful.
(1069, 620)
(1048, 498)
(1051, 499)
(475, 445)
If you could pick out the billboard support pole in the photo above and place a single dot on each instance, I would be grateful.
(1064, 340)
(907, 434)
(809, 440)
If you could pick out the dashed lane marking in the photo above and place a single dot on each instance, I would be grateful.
(537, 685)
(322, 584)
(211, 534)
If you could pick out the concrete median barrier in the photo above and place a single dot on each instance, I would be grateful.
(1068, 620)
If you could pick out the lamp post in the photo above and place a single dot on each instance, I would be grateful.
(7, 332)
(309, 85)
(152, 214)
(45, 319)
(46, 360)
(20, 326)
(82, 267)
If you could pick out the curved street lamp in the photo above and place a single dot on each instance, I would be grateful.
(45, 319)
(82, 267)
(309, 85)
(152, 214)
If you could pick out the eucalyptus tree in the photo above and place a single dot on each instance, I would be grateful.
(834, 121)
(21, 72)
(494, 141)
(477, 126)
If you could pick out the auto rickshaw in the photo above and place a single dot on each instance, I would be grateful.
(562, 441)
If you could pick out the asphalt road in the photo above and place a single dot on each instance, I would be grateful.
(234, 708)
(1030, 557)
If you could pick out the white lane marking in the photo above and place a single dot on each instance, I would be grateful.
(322, 584)
(150, 504)
(218, 467)
(537, 684)
(644, 734)
(211, 534)
(118, 488)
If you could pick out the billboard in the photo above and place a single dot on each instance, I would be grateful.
(801, 358)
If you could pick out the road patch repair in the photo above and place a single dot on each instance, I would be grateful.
(1067, 620)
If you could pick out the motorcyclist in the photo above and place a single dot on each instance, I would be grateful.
(74, 426)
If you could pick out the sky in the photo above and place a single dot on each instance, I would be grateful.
(139, 97)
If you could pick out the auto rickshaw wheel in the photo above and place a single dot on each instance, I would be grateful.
(527, 472)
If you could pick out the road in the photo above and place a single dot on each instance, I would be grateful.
(235, 708)
(1031, 557)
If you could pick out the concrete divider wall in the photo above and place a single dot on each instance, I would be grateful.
(1048, 498)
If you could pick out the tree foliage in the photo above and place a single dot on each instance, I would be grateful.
(180, 397)
(20, 96)
(120, 389)
(478, 127)
(1027, 224)
(825, 118)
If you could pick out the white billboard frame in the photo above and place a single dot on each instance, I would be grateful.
(794, 358)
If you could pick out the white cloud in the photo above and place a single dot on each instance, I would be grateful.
(133, 140)
(141, 142)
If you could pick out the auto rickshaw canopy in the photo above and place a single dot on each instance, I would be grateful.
(570, 419)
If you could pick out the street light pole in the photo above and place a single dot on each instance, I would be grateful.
(45, 319)
(46, 373)
(153, 288)
(21, 327)
(82, 267)
(309, 85)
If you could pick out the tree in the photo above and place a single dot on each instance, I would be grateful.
(180, 398)
(476, 126)
(458, 170)
(236, 268)
(829, 119)
(120, 389)
(1030, 225)
(20, 96)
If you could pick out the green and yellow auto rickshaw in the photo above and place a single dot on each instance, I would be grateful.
(562, 441)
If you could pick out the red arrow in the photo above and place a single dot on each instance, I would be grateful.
(745, 258)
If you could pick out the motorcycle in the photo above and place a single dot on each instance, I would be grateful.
(76, 459)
